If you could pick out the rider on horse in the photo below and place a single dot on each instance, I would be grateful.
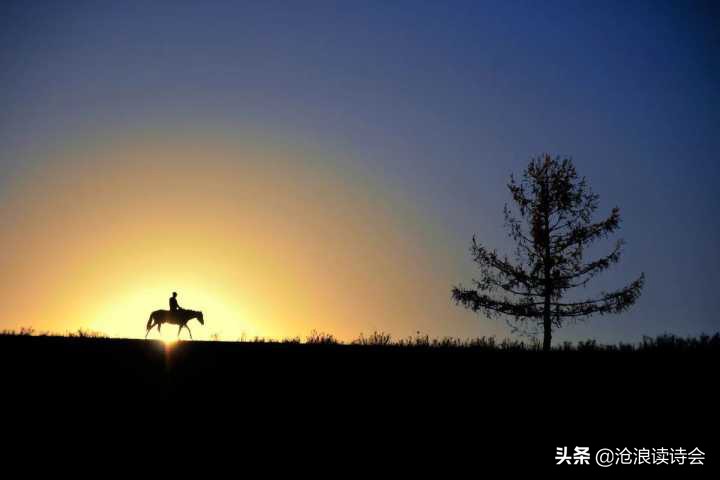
(176, 316)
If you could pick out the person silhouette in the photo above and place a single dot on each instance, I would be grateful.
(174, 307)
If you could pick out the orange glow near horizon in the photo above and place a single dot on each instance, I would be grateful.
(265, 241)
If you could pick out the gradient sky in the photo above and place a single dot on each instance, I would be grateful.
(289, 166)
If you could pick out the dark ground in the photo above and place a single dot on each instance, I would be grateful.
(305, 406)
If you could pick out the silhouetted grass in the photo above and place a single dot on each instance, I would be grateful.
(321, 338)
(378, 339)
(31, 332)
(374, 339)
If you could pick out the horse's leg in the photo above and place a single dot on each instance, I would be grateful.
(150, 325)
(179, 330)
(189, 331)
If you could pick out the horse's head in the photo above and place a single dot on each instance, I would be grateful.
(200, 318)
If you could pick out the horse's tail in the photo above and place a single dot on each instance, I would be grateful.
(149, 324)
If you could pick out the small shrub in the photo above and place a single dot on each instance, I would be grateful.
(588, 346)
(83, 333)
(374, 339)
(321, 338)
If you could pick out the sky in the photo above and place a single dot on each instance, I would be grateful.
(290, 166)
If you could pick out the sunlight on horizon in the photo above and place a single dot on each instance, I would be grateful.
(263, 240)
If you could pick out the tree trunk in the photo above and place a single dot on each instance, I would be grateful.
(547, 325)
(547, 322)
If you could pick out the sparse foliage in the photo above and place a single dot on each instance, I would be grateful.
(375, 338)
(552, 227)
(321, 338)
(84, 333)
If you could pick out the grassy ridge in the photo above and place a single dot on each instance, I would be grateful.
(660, 343)
(422, 393)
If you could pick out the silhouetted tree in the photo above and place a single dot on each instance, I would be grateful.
(552, 231)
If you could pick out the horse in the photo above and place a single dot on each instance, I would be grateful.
(178, 317)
